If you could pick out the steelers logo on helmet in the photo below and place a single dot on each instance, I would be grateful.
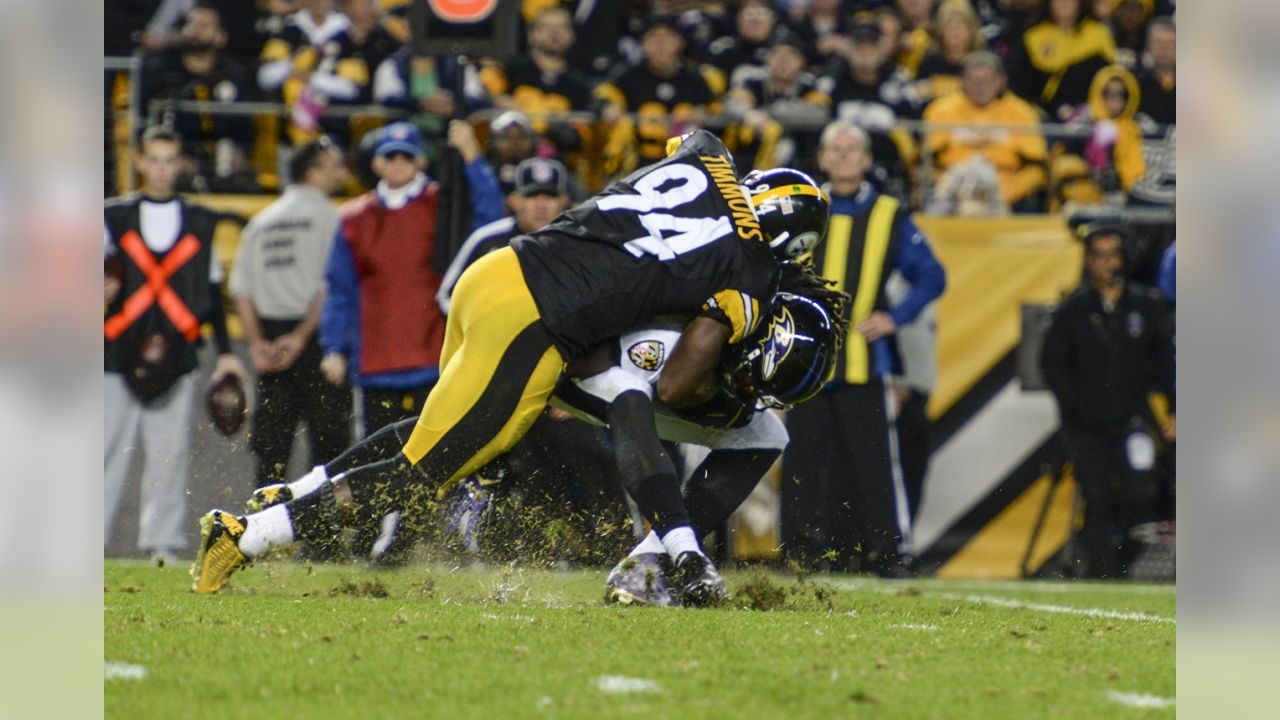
(792, 209)
(793, 358)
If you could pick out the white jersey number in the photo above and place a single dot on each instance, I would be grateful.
(669, 235)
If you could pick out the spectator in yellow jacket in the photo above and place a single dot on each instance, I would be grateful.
(1017, 156)
(1059, 55)
(1107, 163)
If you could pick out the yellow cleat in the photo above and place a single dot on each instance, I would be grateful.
(265, 497)
(219, 554)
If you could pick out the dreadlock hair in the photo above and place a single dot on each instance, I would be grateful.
(799, 278)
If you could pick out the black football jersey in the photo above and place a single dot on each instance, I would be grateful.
(655, 99)
(805, 88)
(534, 90)
(637, 86)
(337, 54)
(674, 238)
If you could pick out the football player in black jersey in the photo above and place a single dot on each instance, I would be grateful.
(793, 213)
(679, 237)
(782, 365)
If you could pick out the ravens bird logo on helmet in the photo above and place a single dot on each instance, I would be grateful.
(792, 360)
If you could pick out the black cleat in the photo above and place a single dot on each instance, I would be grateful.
(696, 581)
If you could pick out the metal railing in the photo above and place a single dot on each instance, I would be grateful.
(1128, 215)
(132, 66)
(241, 108)
(916, 128)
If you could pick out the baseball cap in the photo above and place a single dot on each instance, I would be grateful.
(539, 175)
(399, 137)
(652, 22)
(509, 118)
(784, 35)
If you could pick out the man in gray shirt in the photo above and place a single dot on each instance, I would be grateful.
(278, 284)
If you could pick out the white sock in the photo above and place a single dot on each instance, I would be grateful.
(271, 528)
(648, 546)
(308, 483)
(680, 540)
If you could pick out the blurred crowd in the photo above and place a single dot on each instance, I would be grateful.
(974, 106)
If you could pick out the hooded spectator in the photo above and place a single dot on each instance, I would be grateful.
(1108, 163)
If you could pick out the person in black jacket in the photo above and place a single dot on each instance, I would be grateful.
(215, 147)
(161, 283)
(1109, 347)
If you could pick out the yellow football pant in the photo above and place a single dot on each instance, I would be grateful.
(498, 368)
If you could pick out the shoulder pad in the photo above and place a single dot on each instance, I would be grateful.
(703, 142)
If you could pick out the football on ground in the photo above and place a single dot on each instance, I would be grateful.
(289, 639)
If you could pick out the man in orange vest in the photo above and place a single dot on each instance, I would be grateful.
(380, 324)
(161, 282)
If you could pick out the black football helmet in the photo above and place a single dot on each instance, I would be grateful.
(792, 209)
(791, 357)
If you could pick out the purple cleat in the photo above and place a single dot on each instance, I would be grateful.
(640, 580)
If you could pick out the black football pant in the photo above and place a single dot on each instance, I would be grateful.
(913, 442)
(843, 502)
(299, 394)
(386, 409)
(1114, 497)
(382, 407)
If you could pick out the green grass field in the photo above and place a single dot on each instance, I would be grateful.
(293, 641)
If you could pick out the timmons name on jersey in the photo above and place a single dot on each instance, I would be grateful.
(744, 218)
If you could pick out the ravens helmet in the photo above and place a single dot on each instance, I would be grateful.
(792, 358)
(792, 209)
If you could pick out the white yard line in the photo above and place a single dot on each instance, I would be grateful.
(124, 671)
(1140, 700)
(1050, 586)
(1045, 586)
(1063, 609)
(927, 590)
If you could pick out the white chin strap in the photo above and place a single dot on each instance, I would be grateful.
(780, 241)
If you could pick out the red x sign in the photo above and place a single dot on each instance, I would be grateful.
(156, 290)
